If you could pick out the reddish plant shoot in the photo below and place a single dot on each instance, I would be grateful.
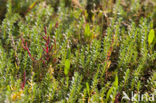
(47, 49)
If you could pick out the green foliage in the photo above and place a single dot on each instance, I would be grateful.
(69, 51)
(75, 88)
(67, 66)
(151, 36)
(112, 90)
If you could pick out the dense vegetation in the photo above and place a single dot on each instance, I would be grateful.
(70, 51)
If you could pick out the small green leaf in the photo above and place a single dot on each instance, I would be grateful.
(87, 30)
(116, 81)
(151, 36)
(87, 85)
(67, 66)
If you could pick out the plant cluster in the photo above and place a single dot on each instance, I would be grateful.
(77, 51)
